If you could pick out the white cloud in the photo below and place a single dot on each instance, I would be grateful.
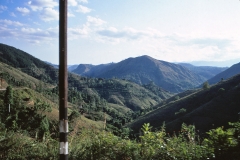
(87, 29)
(173, 48)
(2, 8)
(70, 15)
(36, 5)
(83, 9)
(12, 14)
(75, 33)
(83, 1)
(95, 21)
(36, 35)
(35, 32)
(6, 32)
(6, 22)
(24, 11)
(49, 14)
(128, 33)
(32, 35)
(72, 3)
(176, 48)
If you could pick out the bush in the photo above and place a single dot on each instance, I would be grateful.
(206, 85)
(181, 111)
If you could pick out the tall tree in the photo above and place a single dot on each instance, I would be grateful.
(206, 85)
(8, 97)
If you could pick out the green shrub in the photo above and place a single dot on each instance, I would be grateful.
(181, 111)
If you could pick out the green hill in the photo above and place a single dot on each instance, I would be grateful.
(30, 130)
(206, 72)
(205, 108)
(28, 64)
(144, 70)
(233, 70)
(120, 100)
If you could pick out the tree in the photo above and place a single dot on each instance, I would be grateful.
(181, 111)
(8, 97)
(206, 85)
(44, 127)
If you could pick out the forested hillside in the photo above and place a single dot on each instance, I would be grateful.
(120, 100)
(206, 72)
(206, 108)
(232, 71)
(28, 64)
(100, 111)
(144, 70)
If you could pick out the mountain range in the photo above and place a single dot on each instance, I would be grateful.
(233, 70)
(206, 72)
(205, 108)
(95, 96)
(144, 69)
(111, 90)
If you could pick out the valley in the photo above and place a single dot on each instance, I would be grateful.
(119, 110)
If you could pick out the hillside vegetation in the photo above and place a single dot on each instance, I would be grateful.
(28, 64)
(96, 98)
(144, 70)
(232, 71)
(206, 72)
(98, 111)
(205, 108)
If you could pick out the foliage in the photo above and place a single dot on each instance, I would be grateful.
(206, 85)
(214, 104)
(18, 142)
(28, 133)
(28, 64)
(18, 145)
(8, 98)
(181, 111)
(225, 143)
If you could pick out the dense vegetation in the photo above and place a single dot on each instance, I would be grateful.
(91, 144)
(28, 64)
(232, 71)
(206, 72)
(117, 101)
(206, 108)
(143, 70)
(99, 111)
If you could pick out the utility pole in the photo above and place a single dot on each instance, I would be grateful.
(1, 76)
(63, 80)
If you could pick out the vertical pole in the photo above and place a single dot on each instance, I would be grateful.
(63, 86)
(1, 77)
(9, 108)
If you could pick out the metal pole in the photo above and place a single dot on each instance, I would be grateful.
(63, 86)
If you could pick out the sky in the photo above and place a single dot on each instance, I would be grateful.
(202, 32)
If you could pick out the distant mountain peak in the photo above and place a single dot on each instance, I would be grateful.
(144, 69)
(232, 71)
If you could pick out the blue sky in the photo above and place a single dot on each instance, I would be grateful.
(104, 31)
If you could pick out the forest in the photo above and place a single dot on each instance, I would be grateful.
(30, 130)
(111, 118)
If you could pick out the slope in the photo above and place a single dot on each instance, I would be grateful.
(121, 100)
(12, 76)
(144, 69)
(206, 72)
(91, 70)
(206, 109)
(233, 70)
(28, 64)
